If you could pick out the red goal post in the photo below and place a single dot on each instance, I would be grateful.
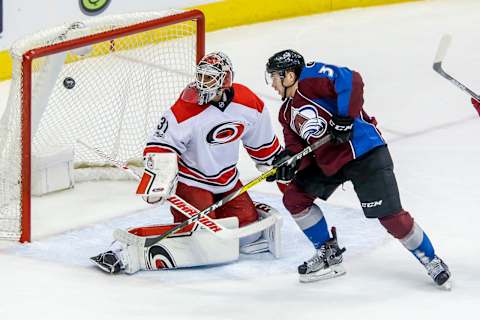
(115, 75)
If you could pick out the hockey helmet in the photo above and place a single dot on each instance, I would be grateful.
(285, 60)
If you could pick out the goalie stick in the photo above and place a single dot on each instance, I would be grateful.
(185, 208)
(147, 242)
(437, 65)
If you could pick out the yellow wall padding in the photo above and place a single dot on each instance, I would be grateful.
(230, 13)
(5, 65)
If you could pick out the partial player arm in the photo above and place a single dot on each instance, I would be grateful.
(343, 86)
(349, 88)
(293, 145)
(260, 140)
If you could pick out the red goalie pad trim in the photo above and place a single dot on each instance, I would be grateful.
(161, 229)
(145, 183)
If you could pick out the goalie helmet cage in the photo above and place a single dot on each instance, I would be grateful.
(104, 80)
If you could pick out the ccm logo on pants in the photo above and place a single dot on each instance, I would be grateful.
(372, 204)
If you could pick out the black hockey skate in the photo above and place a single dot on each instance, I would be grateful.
(108, 262)
(325, 264)
(438, 270)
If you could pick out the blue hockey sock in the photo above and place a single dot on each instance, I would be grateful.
(418, 243)
(314, 225)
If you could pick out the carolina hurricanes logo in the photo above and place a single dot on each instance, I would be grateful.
(307, 122)
(159, 258)
(225, 132)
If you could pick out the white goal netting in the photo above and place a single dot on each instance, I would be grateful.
(109, 94)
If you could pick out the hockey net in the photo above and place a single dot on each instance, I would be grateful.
(105, 81)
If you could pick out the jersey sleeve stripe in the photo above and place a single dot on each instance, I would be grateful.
(264, 152)
(156, 147)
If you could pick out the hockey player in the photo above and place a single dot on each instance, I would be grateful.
(321, 99)
(193, 153)
(476, 105)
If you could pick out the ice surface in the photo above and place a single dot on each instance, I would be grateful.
(433, 134)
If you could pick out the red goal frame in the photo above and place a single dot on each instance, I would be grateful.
(32, 54)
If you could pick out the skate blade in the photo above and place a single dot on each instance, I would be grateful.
(99, 265)
(323, 274)
(447, 286)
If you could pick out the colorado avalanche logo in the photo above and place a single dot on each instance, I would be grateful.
(307, 123)
(225, 132)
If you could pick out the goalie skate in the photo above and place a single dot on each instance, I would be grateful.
(108, 262)
(325, 264)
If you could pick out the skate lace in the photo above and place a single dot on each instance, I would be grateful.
(434, 267)
(317, 258)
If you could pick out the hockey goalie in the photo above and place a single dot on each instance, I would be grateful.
(193, 154)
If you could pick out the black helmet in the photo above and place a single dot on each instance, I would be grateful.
(286, 60)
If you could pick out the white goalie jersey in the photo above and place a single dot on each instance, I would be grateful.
(206, 139)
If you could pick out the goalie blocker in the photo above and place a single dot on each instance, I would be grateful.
(193, 245)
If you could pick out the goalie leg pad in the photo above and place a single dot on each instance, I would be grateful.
(269, 239)
(132, 259)
(190, 248)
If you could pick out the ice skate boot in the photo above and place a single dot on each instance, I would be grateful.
(108, 261)
(325, 264)
(438, 270)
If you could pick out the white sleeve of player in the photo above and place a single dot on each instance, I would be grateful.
(260, 140)
(169, 135)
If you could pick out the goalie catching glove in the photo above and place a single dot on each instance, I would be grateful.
(159, 180)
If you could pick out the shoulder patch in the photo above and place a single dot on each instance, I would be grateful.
(246, 97)
(183, 110)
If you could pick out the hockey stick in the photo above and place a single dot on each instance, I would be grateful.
(437, 65)
(178, 203)
(153, 240)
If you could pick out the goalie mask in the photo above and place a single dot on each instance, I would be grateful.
(214, 73)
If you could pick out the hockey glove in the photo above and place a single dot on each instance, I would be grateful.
(284, 173)
(341, 129)
(159, 180)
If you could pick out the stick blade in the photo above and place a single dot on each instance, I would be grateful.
(442, 48)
